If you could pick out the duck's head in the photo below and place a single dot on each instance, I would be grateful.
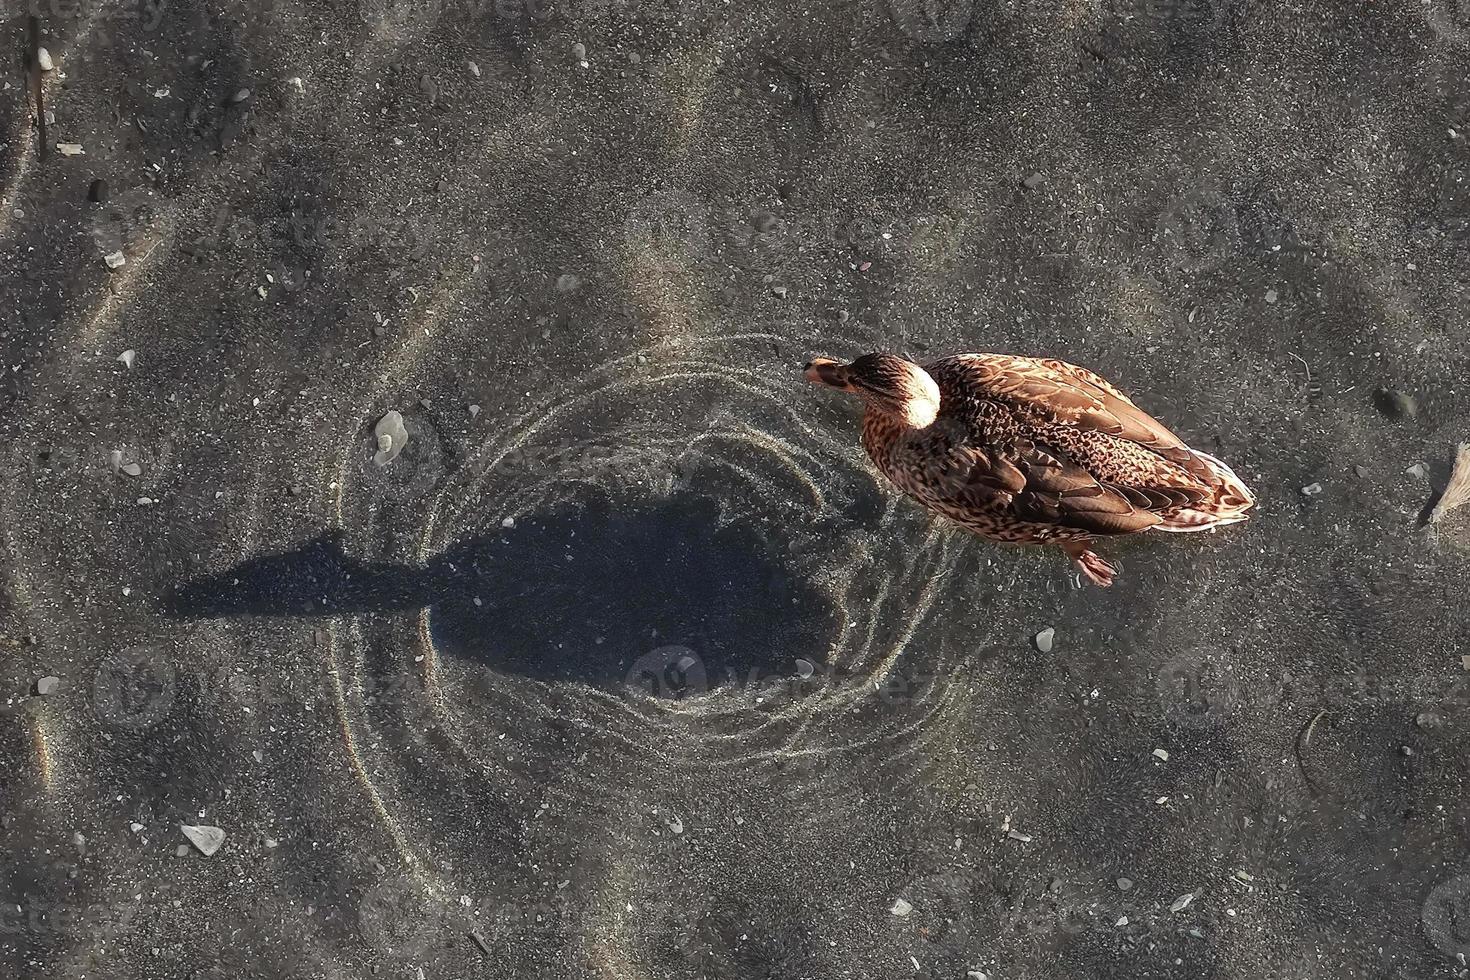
(888, 383)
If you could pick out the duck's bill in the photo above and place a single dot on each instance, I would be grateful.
(824, 371)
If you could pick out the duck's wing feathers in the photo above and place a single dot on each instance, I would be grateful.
(1072, 394)
(1036, 484)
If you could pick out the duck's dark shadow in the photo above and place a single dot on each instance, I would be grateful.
(588, 593)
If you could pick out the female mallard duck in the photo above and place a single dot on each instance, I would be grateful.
(1031, 450)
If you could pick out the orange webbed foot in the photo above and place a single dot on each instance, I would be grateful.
(1098, 571)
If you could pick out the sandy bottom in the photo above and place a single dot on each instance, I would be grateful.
(626, 666)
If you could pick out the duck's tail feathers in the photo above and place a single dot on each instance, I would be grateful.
(1229, 501)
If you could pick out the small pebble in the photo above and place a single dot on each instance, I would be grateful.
(805, 668)
(1033, 182)
(131, 469)
(128, 358)
(69, 149)
(47, 685)
(207, 839)
(295, 82)
(1044, 639)
(900, 908)
(241, 95)
(258, 755)
(1182, 902)
(579, 51)
(1122, 921)
(1271, 295)
(474, 410)
(390, 428)
(1161, 754)
(1417, 471)
(1014, 834)
(634, 58)
(1125, 884)
(779, 291)
(509, 522)
(43, 59)
(474, 68)
(1311, 489)
(1406, 751)
(115, 260)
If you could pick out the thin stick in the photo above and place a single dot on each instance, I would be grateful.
(1304, 740)
(34, 66)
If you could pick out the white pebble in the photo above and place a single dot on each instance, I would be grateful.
(207, 839)
(43, 59)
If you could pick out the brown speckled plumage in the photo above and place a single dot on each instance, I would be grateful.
(1031, 450)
